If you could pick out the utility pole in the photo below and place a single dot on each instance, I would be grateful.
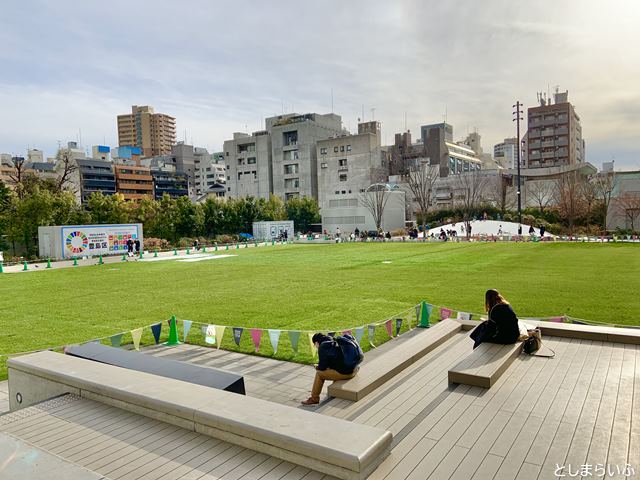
(518, 117)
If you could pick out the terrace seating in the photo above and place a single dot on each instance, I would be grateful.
(325, 444)
(484, 365)
(375, 373)
(187, 372)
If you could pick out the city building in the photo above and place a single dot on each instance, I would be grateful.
(133, 182)
(167, 180)
(404, 155)
(92, 176)
(42, 170)
(248, 165)
(101, 152)
(154, 133)
(126, 154)
(347, 166)
(506, 153)
(624, 210)
(294, 153)
(35, 156)
(439, 148)
(554, 135)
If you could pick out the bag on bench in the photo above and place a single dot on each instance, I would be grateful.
(533, 344)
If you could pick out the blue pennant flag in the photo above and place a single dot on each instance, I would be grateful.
(156, 329)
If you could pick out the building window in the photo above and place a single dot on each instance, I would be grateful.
(335, 149)
(291, 183)
(290, 138)
(342, 148)
(323, 165)
(251, 160)
(342, 162)
(348, 148)
(290, 168)
(342, 177)
(338, 192)
(323, 151)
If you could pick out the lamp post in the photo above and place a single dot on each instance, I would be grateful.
(518, 113)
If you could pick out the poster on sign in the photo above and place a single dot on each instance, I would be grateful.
(94, 240)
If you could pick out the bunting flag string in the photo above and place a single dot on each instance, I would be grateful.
(445, 313)
(274, 338)
(372, 333)
(464, 316)
(256, 335)
(398, 326)
(294, 338)
(389, 328)
(136, 335)
(116, 340)
(186, 326)
(210, 334)
(359, 334)
(237, 334)
(156, 329)
(219, 334)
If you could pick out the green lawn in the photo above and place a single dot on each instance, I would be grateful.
(321, 287)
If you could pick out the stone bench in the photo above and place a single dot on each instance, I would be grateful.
(375, 373)
(325, 444)
(187, 372)
(484, 365)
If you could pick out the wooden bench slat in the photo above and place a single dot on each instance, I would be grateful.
(484, 365)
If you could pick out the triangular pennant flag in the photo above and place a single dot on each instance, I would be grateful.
(116, 340)
(464, 316)
(210, 334)
(314, 352)
(136, 335)
(557, 319)
(274, 338)
(425, 314)
(237, 334)
(219, 334)
(359, 334)
(332, 334)
(186, 326)
(156, 329)
(445, 313)
(398, 326)
(417, 313)
(294, 337)
(372, 335)
(347, 332)
(256, 335)
(389, 327)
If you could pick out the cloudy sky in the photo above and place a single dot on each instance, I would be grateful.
(220, 66)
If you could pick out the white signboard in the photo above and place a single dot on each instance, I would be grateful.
(92, 240)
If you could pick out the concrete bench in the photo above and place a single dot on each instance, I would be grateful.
(484, 365)
(325, 444)
(187, 372)
(375, 373)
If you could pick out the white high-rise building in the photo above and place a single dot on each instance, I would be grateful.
(506, 152)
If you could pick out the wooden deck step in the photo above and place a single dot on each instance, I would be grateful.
(484, 365)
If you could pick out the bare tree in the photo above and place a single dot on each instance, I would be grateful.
(18, 174)
(541, 192)
(375, 199)
(421, 181)
(605, 183)
(570, 198)
(629, 204)
(471, 186)
(499, 192)
(65, 166)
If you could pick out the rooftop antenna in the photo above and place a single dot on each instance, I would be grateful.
(373, 113)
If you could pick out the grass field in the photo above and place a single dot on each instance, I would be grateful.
(321, 287)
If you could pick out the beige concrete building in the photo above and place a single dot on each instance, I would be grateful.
(554, 136)
(154, 133)
(134, 182)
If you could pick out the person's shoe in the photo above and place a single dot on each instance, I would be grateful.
(310, 402)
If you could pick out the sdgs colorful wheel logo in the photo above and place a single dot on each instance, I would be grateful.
(77, 242)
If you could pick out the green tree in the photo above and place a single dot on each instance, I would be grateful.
(304, 212)
(189, 218)
(274, 209)
(214, 212)
(166, 219)
(248, 210)
(107, 208)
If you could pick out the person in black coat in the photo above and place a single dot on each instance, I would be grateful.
(330, 366)
(502, 324)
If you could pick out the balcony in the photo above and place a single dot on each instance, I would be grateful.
(343, 168)
(535, 144)
(534, 134)
(562, 131)
(534, 156)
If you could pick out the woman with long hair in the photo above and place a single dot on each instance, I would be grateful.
(502, 324)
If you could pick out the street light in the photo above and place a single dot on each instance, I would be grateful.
(517, 114)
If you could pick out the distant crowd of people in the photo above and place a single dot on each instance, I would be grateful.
(133, 247)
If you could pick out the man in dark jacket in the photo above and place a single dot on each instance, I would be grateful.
(330, 366)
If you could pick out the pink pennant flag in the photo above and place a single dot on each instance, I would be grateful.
(445, 313)
(347, 332)
(256, 335)
(557, 319)
(389, 327)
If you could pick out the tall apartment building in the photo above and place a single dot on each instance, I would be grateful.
(210, 175)
(452, 158)
(507, 152)
(154, 133)
(554, 136)
(248, 165)
(93, 176)
(167, 180)
(404, 155)
(294, 152)
(134, 182)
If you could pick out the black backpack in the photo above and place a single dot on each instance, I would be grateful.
(351, 352)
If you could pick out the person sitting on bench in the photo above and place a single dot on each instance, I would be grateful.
(502, 324)
(338, 359)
